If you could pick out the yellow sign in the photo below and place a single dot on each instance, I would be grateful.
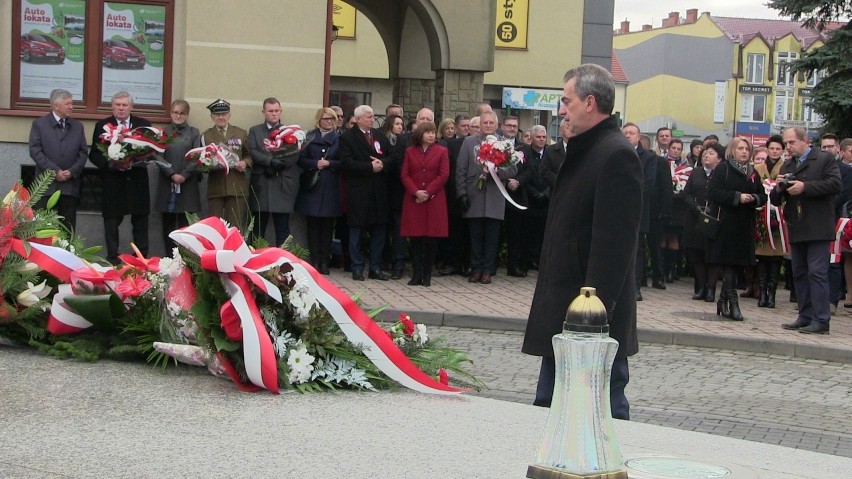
(344, 19)
(512, 17)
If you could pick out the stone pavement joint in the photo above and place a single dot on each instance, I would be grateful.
(667, 316)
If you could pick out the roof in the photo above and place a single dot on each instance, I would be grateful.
(618, 74)
(742, 28)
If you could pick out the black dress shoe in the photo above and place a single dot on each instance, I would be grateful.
(379, 275)
(814, 328)
(638, 296)
(658, 285)
(797, 324)
(516, 272)
(396, 275)
(358, 276)
(449, 271)
(474, 278)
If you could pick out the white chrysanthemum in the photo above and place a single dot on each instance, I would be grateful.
(173, 308)
(420, 334)
(171, 267)
(302, 298)
(301, 365)
(115, 152)
(399, 340)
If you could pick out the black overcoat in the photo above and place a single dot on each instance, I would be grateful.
(366, 191)
(734, 242)
(590, 238)
(810, 216)
(695, 197)
(124, 192)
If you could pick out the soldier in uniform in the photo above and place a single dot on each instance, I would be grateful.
(227, 194)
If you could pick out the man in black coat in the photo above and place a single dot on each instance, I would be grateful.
(364, 151)
(812, 182)
(125, 190)
(591, 233)
(554, 155)
(58, 143)
(455, 246)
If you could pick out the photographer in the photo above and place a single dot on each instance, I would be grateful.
(807, 186)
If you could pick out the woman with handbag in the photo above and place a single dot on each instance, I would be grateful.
(769, 259)
(735, 191)
(694, 240)
(319, 191)
(425, 170)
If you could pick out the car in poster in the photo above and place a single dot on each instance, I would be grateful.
(36, 47)
(122, 53)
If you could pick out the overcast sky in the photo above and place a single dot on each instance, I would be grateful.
(640, 12)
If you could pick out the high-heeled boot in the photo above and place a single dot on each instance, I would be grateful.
(722, 306)
(700, 290)
(711, 294)
(729, 286)
(763, 283)
(772, 286)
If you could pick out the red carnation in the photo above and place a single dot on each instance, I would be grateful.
(443, 377)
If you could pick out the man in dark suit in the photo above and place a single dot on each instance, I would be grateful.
(363, 150)
(830, 143)
(125, 189)
(554, 155)
(454, 252)
(590, 238)
(811, 182)
(58, 143)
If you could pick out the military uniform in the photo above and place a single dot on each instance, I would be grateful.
(227, 194)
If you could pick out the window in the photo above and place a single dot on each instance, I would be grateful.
(754, 68)
(786, 76)
(815, 77)
(783, 105)
(349, 100)
(92, 49)
(753, 108)
(809, 114)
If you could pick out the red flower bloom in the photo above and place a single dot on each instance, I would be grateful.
(132, 286)
(443, 377)
(140, 262)
(407, 324)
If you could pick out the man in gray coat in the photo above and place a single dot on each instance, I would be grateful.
(57, 143)
(483, 208)
(274, 178)
(591, 233)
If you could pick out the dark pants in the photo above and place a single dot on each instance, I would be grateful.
(655, 236)
(810, 276)
(641, 262)
(377, 244)
(619, 378)
(484, 238)
(281, 222)
(171, 222)
(835, 282)
(517, 239)
(320, 236)
(423, 250)
(397, 242)
(66, 207)
(453, 250)
(140, 234)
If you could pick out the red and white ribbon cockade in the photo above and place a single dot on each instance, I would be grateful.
(770, 210)
(222, 249)
(284, 135)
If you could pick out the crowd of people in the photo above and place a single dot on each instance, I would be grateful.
(741, 214)
(410, 192)
(389, 195)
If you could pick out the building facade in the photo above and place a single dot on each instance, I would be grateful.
(702, 75)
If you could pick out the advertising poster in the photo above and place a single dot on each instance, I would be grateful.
(511, 31)
(133, 51)
(52, 47)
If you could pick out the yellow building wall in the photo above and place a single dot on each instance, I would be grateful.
(703, 28)
(654, 97)
(364, 56)
(553, 47)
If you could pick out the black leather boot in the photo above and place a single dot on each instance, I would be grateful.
(722, 307)
(711, 294)
(772, 285)
(763, 283)
(700, 291)
(729, 288)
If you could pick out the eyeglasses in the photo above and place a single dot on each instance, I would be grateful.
(326, 118)
(179, 113)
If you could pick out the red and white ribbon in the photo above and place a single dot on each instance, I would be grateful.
(680, 175)
(223, 250)
(492, 170)
(770, 210)
(841, 239)
(138, 139)
(210, 155)
(285, 135)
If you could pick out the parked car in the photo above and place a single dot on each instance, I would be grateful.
(38, 47)
(120, 52)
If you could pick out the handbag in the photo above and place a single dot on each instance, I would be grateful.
(708, 225)
(309, 179)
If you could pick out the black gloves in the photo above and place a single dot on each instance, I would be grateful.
(464, 202)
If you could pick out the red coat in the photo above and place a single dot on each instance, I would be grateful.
(428, 171)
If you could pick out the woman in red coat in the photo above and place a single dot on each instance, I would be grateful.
(425, 169)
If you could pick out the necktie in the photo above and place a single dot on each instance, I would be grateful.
(62, 123)
(369, 137)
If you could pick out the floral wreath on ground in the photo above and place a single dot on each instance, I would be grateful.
(260, 317)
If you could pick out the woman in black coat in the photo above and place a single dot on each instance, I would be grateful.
(735, 190)
(695, 198)
(321, 204)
